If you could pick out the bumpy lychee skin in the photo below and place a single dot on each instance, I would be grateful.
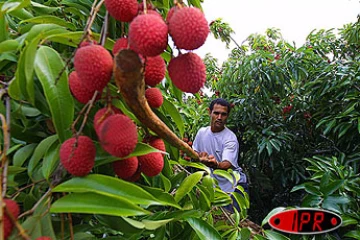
(8, 225)
(134, 177)
(151, 164)
(155, 70)
(79, 90)
(121, 43)
(157, 143)
(171, 13)
(188, 28)
(187, 72)
(122, 10)
(126, 168)
(154, 97)
(118, 135)
(153, 12)
(102, 114)
(78, 156)
(148, 35)
(94, 66)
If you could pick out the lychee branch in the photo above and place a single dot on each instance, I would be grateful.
(129, 78)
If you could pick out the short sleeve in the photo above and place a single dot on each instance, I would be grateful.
(230, 152)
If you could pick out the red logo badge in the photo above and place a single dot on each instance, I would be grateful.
(305, 221)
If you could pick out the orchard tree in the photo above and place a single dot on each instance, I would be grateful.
(297, 119)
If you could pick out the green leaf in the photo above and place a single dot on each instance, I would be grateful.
(188, 183)
(332, 187)
(152, 225)
(175, 115)
(353, 234)
(12, 5)
(39, 152)
(93, 203)
(208, 183)
(348, 221)
(109, 186)
(51, 160)
(15, 170)
(50, 19)
(8, 45)
(43, 9)
(224, 174)
(272, 235)
(203, 229)
(162, 196)
(4, 33)
(23, 154)
(48, 65)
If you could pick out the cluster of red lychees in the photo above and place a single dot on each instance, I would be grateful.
(148, 36)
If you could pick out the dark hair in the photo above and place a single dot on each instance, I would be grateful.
(221, 102)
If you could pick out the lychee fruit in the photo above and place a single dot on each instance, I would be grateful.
(79, 90)
(171, 12)
(94, 66)
(154, 97)
(188, 28)
(187, 72)
(8, 224)
(122, 10)
(102, 114)
(148, 35)
(155, 70)
(151, 164)
(77, 155)
(118, 135)
(155, 142)
(126, 168)
(134, 177)
(121, 43)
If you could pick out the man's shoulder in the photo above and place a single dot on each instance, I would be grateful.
(229, 132)
(204, 129)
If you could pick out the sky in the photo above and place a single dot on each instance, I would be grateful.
(295, 19)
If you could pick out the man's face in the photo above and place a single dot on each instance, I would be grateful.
(218, 116)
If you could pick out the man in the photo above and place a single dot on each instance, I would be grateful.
(218, 148)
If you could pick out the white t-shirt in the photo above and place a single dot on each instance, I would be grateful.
(224, 146)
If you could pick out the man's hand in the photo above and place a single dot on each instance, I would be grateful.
(208, 160)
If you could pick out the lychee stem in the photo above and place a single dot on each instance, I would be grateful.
(91, 103)
(129, 78)
(145, 6)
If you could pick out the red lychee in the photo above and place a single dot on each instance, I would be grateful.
(155, 142)
(102, 114)
(188, 28)
(122, 10)
(153, 12)
(155, 70)
(187, 72)
(121, 43)
(78, 155)
(148, 35)
(171, 13)
(118, 135)
(79, 90)
(8, 224)
(94, 66)
(151, 164)
(126, 168)
(154, 97)
(134, 177)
